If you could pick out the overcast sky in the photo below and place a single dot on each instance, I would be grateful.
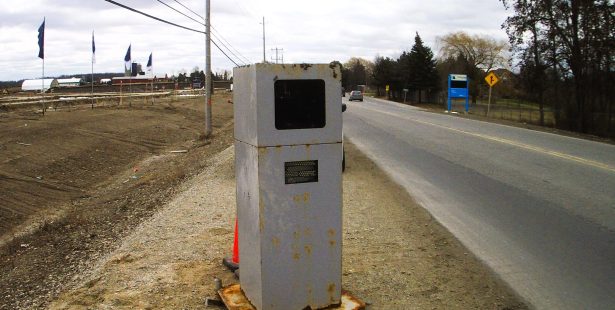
(314, 31)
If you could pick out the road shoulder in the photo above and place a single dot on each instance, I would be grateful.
(395, 255)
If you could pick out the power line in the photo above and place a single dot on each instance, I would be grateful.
(176, 10)
(230, 51)
(219, 36)
(154, 17)
(170, 23)
(187, 8)
(279, 55)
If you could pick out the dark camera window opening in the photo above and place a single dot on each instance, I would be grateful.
(299, 104)
(459, 84)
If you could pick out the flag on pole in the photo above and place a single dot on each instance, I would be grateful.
(127, 59)
(41, 40)
(93, 49)
(149, 63)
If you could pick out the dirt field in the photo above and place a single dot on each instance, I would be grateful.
(98, 213)
(74, 183)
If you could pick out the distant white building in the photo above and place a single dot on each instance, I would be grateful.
(72, 82)
(105, 81)
(37, 85)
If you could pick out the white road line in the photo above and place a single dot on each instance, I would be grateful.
(536, 149)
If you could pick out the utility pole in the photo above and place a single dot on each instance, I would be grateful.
(207, 70)
(278, 59)
(264, 59)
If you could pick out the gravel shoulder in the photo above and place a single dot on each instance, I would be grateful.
(97, 213)
(395, 256)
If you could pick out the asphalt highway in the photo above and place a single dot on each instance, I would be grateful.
(536, 207)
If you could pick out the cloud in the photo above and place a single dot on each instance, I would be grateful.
(312, 31)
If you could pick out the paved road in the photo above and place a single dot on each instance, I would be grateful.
(538, 208)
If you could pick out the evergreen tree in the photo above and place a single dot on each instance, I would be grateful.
(385, 73)
(419, 68)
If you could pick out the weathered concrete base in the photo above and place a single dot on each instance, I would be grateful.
(234, 299)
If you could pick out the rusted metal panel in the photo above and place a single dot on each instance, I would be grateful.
(290, 235)
(234, 299)
(289, 184)
(254, 112)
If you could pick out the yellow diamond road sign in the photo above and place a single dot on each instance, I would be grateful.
(491, 79)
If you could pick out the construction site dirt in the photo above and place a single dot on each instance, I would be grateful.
(120, 207)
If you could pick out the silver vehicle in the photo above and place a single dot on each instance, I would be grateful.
(356, 95)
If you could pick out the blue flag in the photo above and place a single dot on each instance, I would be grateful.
(127, 59)
(41, 40)
(149, 63)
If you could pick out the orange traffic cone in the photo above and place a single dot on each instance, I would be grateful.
(233, 263)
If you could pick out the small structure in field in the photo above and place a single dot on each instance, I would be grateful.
(72, 82)
(39, 84)
(139, 79)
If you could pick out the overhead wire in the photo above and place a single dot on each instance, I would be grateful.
(187, 8)
(176, 10)
(171, 23)
(239, 56)
(154, 17)
(221, 39)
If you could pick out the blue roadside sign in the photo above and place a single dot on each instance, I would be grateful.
(458, 85)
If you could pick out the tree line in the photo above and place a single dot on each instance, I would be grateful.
(422, 74)
(560, 56)
(567, 59)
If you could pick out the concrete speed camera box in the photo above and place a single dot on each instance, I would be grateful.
(288, 156)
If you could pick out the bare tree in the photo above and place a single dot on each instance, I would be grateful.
(578, 38)
(480, 52)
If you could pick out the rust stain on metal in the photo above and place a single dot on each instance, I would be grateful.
(331, 293)
(234, 298)
(332, 243)
(275, 241)
(305, 197)
(308, 250)
(331, 232)
(296, 256)
(331, 288)
(261, 213)
(350, 302)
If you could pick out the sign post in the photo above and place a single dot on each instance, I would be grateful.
(458, 85)
(491, 79)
